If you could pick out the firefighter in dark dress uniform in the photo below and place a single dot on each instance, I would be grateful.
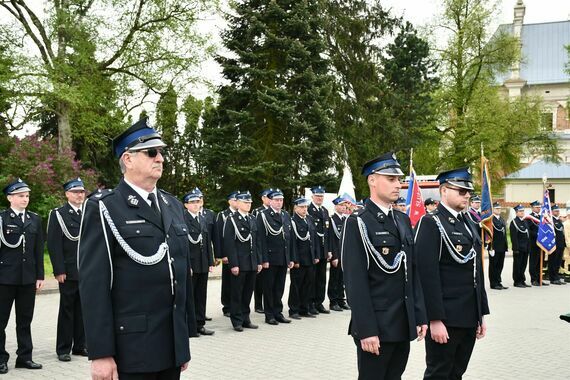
(498, 248)
(201, 257)
(449, 256)
(321, 221)
(219, 251)
(21, 271)
(62, 238)
(304, 254)
(381, 277)
(258, 293)
(555, 257)
(241, 243)
(134, 269)
(535, 252)
(335, 289)
(520, 241)
(274, 226)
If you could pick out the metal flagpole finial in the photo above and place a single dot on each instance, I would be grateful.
(544, 178)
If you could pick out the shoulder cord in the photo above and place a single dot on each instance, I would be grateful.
(457, 256)
(519, 230)
(64, 229)
(198, 239)
(307, 235)
(502, 229)
(134, 255)
(268, 228)
(21, 241)
(336, 231)
(240, 237)
(377, 257)
(561, 229)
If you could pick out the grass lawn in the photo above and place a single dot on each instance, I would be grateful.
(48, 269)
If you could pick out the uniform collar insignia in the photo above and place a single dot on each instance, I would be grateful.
(12, 215)
(133, 200)
(71, 211)
(451, 220)
(163, 198)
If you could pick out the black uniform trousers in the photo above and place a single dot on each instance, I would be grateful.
(274, 286)
(389, 365)
(335, 290)
(320, 282)
(520, 260)
(24, 296)
(534, 262)
(226, 292)
(258, 294)
(70, 331)
(554, 262)
(496, 268)
(200, 289)
(449, 361)
(242, 289)
(301, 289)
(167, 374)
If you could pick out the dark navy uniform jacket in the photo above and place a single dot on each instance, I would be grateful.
(321, 222)
(218, 238)
(519, 240)
(62, 251)
(383, 305)
(129, 310)
(304, 252)
(451, 292)
(334, 236)
(499, 235)
(245, 255)
(276, 250)
(25, 264)
(201, 257)
(559, 231)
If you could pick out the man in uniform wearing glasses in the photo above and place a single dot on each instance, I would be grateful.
(449, 256)
(134, 269)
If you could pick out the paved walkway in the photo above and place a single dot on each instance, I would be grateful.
(525, 341)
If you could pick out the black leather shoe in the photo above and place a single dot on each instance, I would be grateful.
(4, 366)
(564, 317)
(259, 310)
(205, 331)
(557, 282)
(282, 319)
(294, 316)
(80, 352)
(271, 321)
(207, 318)
(526, 285)
(321, 309)
(307, 315)
(64, 358)
(520, 286)
(345, 306)
(313, 311)
(336, 308)
(545, 283)
(503, 286)
(250, 326)
(238, 328)
(28, 364)
(497, 287)
(534, 283)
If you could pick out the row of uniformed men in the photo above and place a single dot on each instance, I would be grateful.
(256, 250)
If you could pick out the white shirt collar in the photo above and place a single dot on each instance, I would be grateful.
(194, 215)
(497, 216)
(76, 209)
(243, 214)
(339, 215)
(385, 210)
(275, 211)
(317, 207)
(233, 210)
(451, 211)
(142, 192)
(18, 212)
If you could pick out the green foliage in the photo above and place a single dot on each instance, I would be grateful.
(384, 81)
(472, 110)
(40, 165)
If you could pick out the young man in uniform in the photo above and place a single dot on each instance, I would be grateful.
(336, 283)
(520, 240)
(320, 217)
(498, 249)
(381, 278)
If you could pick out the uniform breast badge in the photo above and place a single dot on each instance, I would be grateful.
(459, 248)
(385, 250)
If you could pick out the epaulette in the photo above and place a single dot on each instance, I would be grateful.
(165, 192)
(102, 194)
(31, 212)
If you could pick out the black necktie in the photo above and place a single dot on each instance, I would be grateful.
(153, 203)
(21, 217)
(459, 217)
(79, 212)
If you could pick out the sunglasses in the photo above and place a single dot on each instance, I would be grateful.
(461, 192)
(153, 152)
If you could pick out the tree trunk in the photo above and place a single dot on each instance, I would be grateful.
(63, 127)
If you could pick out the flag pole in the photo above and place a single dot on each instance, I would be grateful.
(480, 224)
(542, 250)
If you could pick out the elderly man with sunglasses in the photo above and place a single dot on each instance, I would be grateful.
(449, 255)
(381, 277)
(134, 269)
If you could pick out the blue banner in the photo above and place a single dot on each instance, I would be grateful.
(546, 238)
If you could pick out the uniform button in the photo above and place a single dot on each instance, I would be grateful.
(24, 260)
(175, 282)
(172, 260)
(184, 229)
(138, 231)
(175, 306)
(406, 297)
(168, 236)
(121, 328)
